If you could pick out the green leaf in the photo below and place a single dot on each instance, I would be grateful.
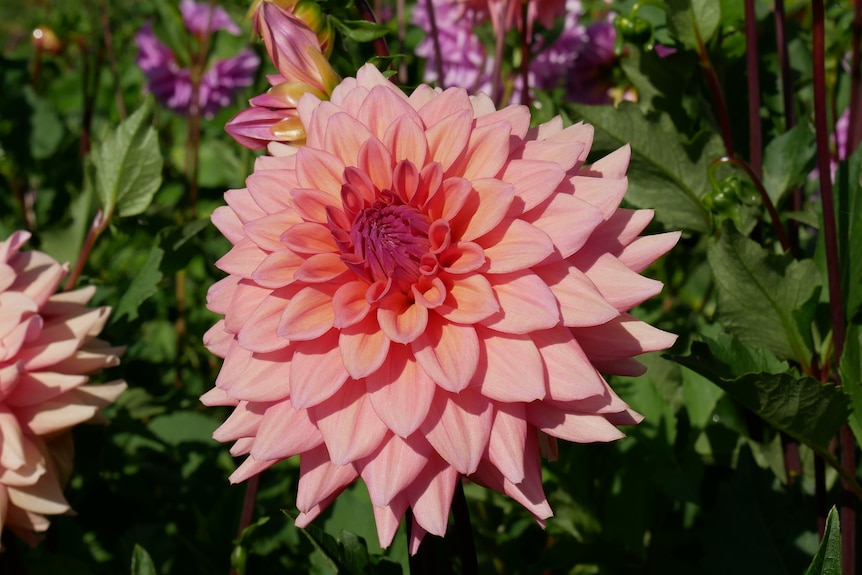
(142, 563)
(361, 30)
(851, 377)
(664, 174)
(128, 165)
(787, 160)
(693, 22)
(828, 558)
(183, 426)
(801, 407)
(848, 212)
(347, 555)
(46, 129)
(758, 293)
(144, 285)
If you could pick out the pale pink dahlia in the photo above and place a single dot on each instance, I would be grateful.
(48, 347)
(425, 291)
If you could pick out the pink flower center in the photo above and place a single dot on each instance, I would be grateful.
(391, 239)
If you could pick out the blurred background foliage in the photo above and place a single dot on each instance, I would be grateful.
(700, 486)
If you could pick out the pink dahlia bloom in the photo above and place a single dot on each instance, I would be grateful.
(48, 347)
(427, 291)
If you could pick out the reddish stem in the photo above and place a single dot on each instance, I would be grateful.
(833, 268)
(98, 226)
(248, 503)
(380, 47)
(717, 96)
(751, 59)
(435, 41)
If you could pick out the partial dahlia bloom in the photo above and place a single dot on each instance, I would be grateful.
(427, 291)
(297, 54)
(48, 347)
(170, 82)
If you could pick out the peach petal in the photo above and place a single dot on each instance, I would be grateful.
(376, 161)
(316, 370)
(284, 432)
(526, 303)
(310, 205)
(309, 238)
(568, 220)
(452, 101)
(515, 245)
(569, 374)
(564, 154)
(405, 139)
(242, 422)
(603, 193)
(576, 427)
(449, 353)
(349, 304)
(431, 497)
(349, 425)
(642, 252)
(319, 478)
(401, 319)
(463, 258)
(249, 468)
(255, 376)
(321, 268)
(486, 153)
(266, 231)
(614, 165)
(318, 169)
(581, 303)
(384, 107)
(260, 330)
(511, 368)
(308, 314)
(507, 440)
(364, 347)
(243, 206)
(458, 427)
(620, 286)
(621, 338)
(470, 299)
(268, 192)
(246, 297)
(533, 181)
(225, 220)
(448, 138)
(388, 518)
(277, 270)
(393, 466)
(400, 392)
(517, 116)
(242, 259)
(344, 136)
(486, 206)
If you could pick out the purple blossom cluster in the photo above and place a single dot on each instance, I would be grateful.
(578, 60)
(171, 83)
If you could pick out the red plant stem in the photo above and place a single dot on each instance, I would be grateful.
(435, 41)
(789, 109)
(751, 61)
(87, 114)
(718, 98)
(112, 59)
(380, 47)
(526, 41)
(854, 133)
(98, 226)
(248, 503)
(836, 307)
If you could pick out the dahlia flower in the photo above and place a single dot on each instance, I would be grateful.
(171, 82)
(296, 52)
(48, 347)
(427, 291)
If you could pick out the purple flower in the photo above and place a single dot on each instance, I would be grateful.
(171, 84)
(465, 62)
(589, 80)
(201, 18)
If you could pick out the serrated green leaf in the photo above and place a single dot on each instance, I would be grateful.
(851, 377)
(128, 165)
(828, 558)
(143, 286)
(787, 160)
(693, 21)
(361, 30)
(801, 407)
(664, 174)
(758, 293)
(142, 563)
